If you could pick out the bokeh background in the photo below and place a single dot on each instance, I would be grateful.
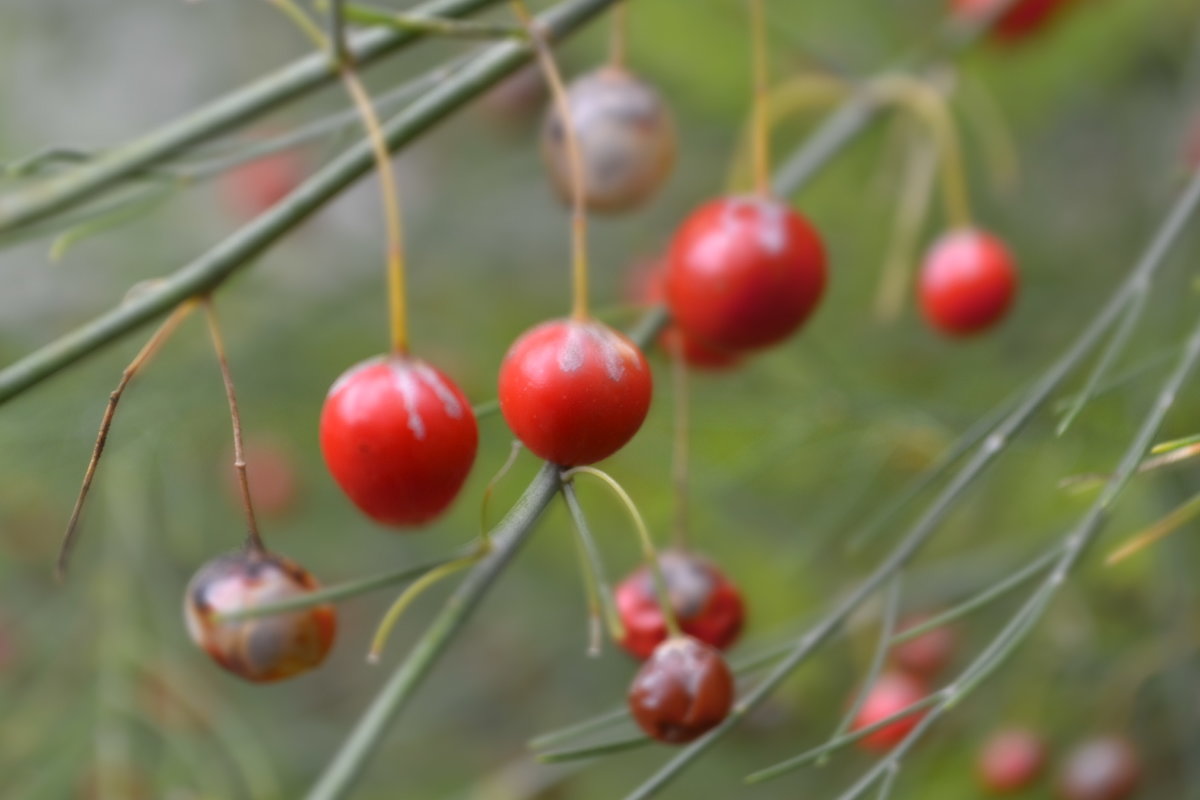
(103, 696)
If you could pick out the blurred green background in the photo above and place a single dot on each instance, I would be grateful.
(102, 694)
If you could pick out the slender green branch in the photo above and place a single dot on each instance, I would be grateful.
(62, 191)
(341, 591)
(211, 269)
(507, 537)
(361, 14)
(979, 600)
(631, 742)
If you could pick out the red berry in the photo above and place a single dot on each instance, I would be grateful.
(399, 437)
(626, 140)
(255, 186)
(927, 654)
(891, 694)
(1011, 760)
(262, 649)
(706, 604)
(1107, 768)
(646, 284)
(1022, 19)
(574, 391)
(743, 273)
(274, 485)
(683, 691)
(967, 282)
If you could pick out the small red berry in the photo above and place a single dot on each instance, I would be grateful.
(891, 694)
(683, 691)
(1022, 19)
(707, 605)
(646, 284)
(274, 484)
(1011, 760)
(251, 188)
(743, 273)
(574, 391)
(399, 437)
(1107, 768)
(967, 282)
(626, 140)
(261, 649)
(927, 654)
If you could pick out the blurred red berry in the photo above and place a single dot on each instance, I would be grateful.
(1025, 17)
(927, 654)
(891, 694)
(251, 188)
(1011, 760)
(645, 285)
(274, 483)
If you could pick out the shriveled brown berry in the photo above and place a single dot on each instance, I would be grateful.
(261, 649)
(1106, 768)
(682, 691)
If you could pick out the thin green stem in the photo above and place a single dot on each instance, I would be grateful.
(980, 600)
(887, 627)
(1116, 345)
(649, 552)
(339, 591)
(362, 14)
(621, 745)
(594, 574)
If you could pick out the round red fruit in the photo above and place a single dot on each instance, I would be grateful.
(1011, 760)
(683, 691)
(1107, 768)
(927, 654)
(626, 140)
(891, 694)
(399, 437)
(967, 282)
(1022, 19)
(744, 273)
(262, 649)
(707, 605)
(574, 391)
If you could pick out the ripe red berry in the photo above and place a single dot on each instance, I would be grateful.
(261, 649)
(1022, 19)
(927, 654)
(1011, 760)
(574, 391)
(707, 605)
(967, 282)
(251, 188)
(626, 140)
(646, 284)
(743, 273)
(683, 691)
(1107, 768)
(399, 437)
(891, 694)
(274, 484)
